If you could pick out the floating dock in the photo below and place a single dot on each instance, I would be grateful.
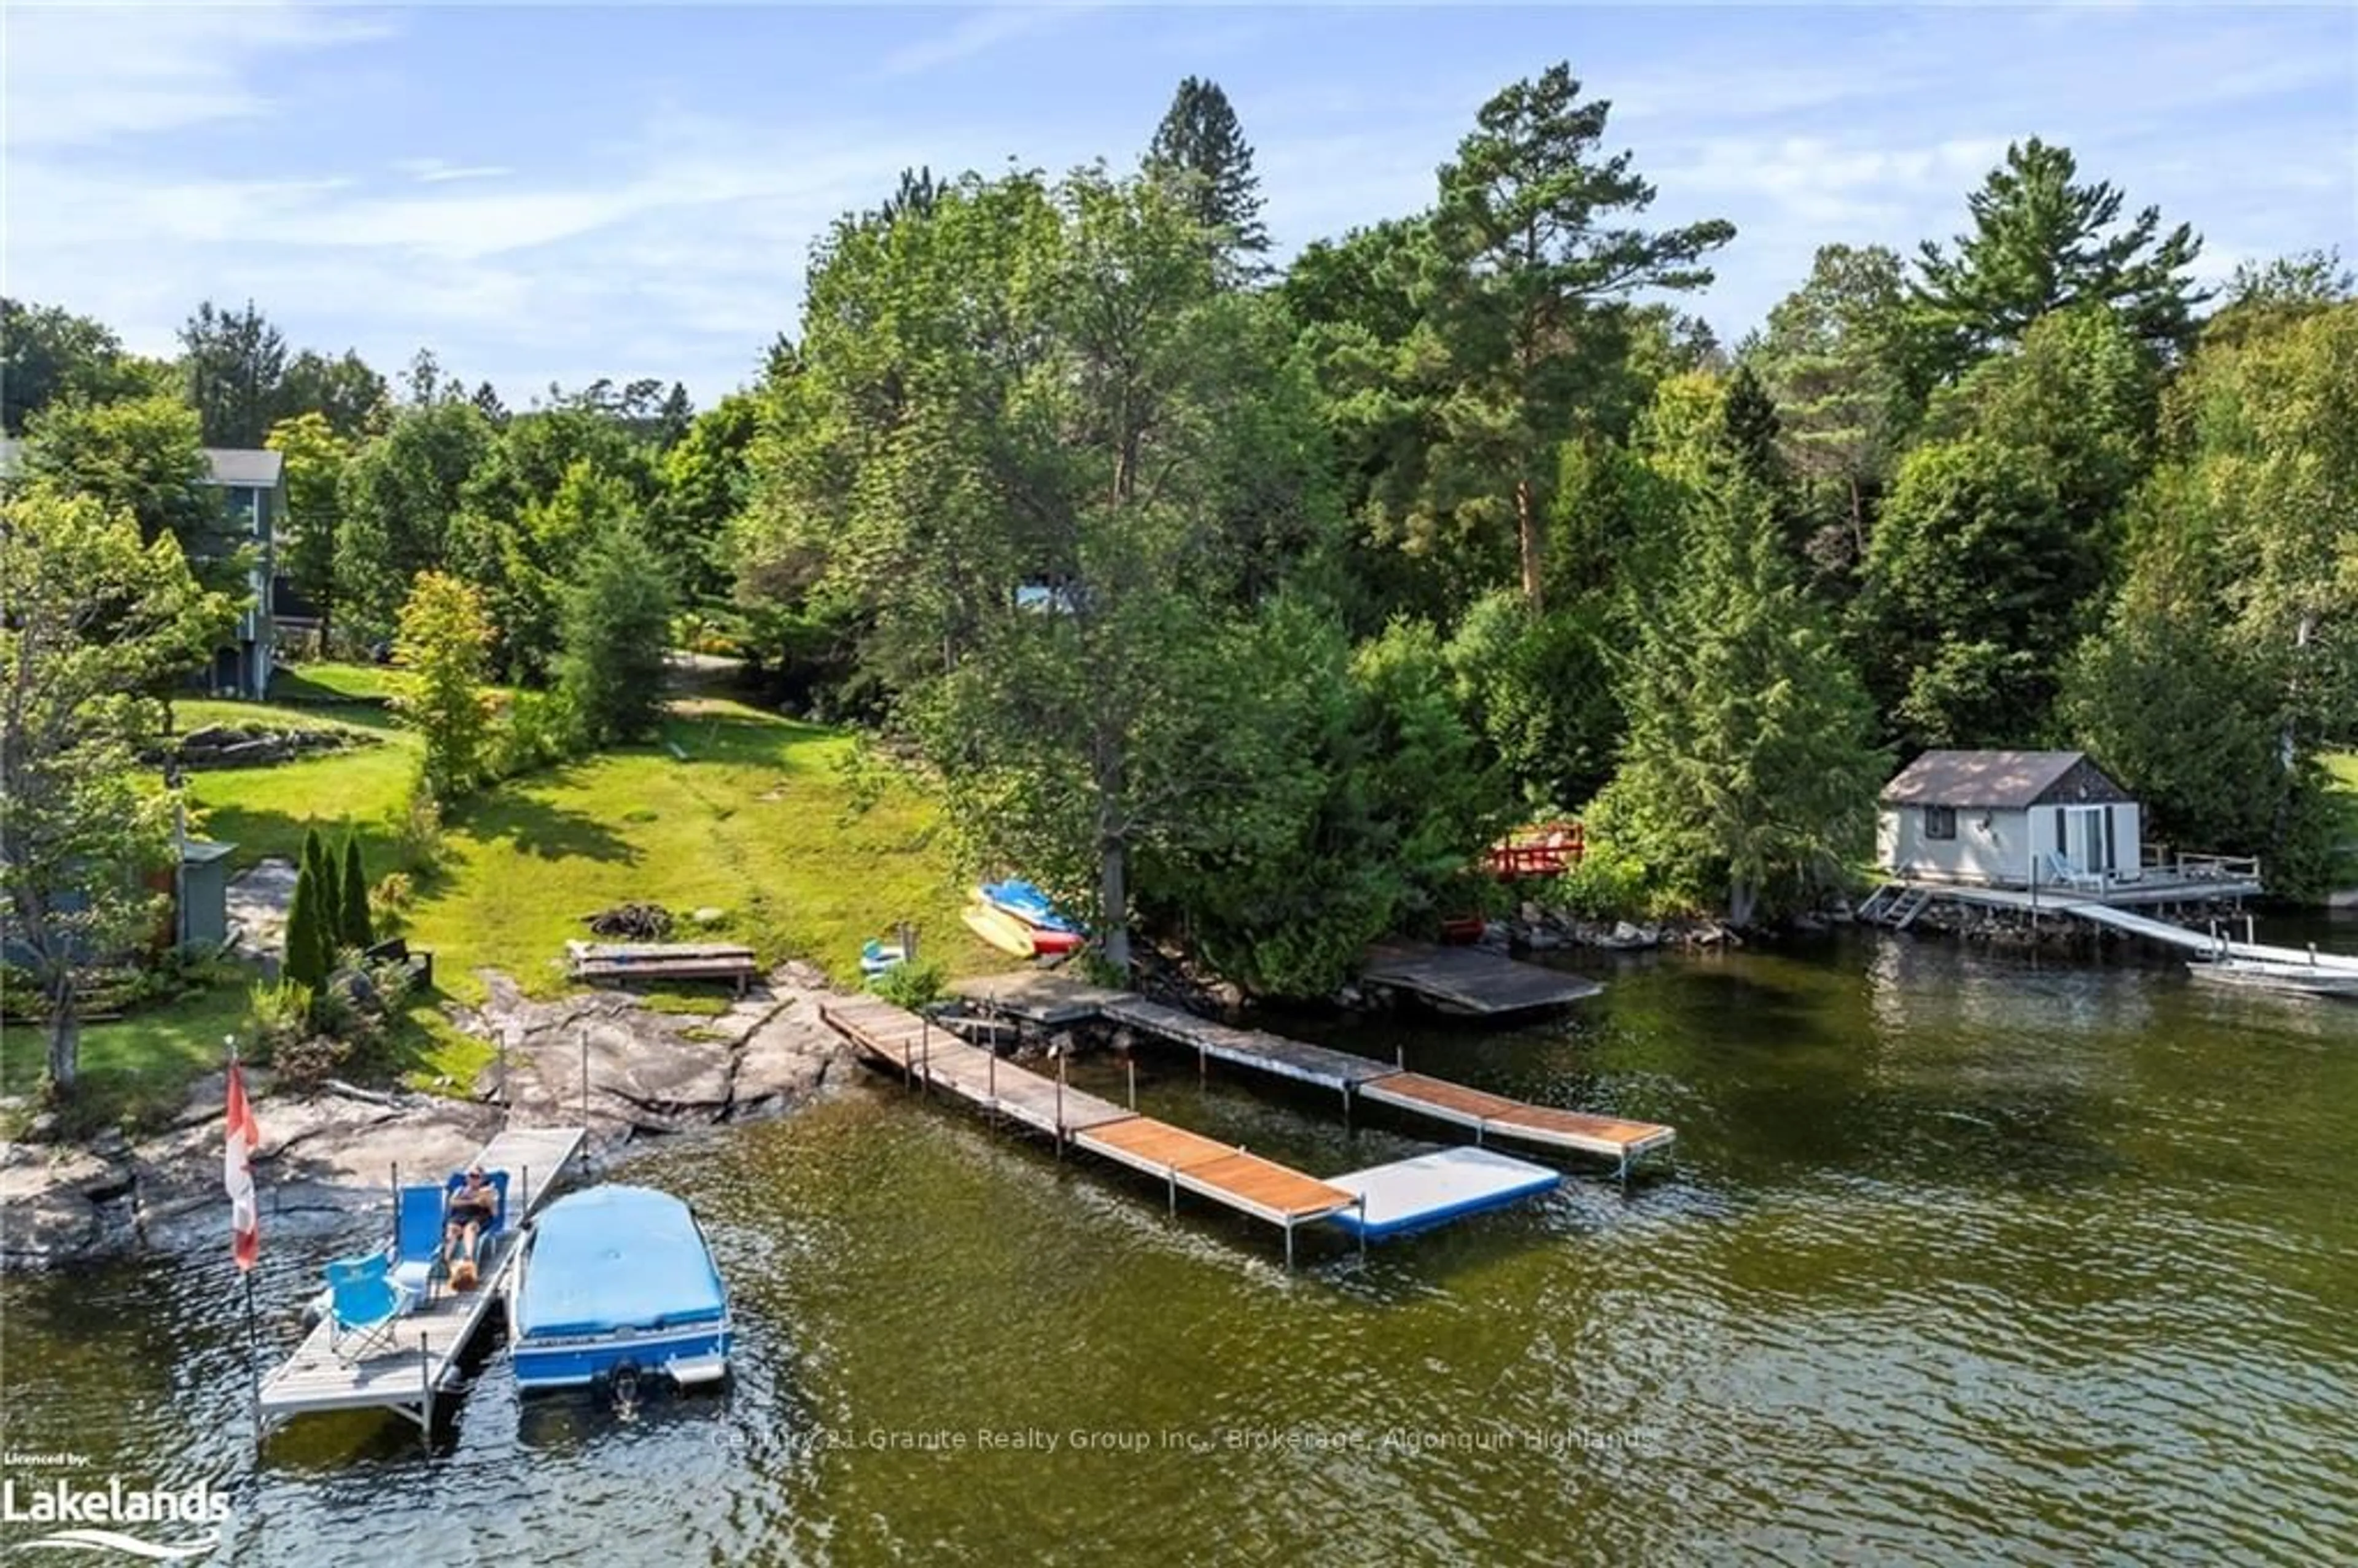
(1469, 980)
(421, 1357)
(1487, 1116)
(1433, 1189)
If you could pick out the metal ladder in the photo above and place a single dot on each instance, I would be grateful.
(1911, 903)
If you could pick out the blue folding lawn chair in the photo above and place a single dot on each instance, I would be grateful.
(489, 1231)
(417, 1256)
(363, 1303)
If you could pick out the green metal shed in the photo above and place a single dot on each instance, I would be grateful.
(204, 893)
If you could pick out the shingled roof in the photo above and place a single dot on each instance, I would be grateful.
(1982, 778)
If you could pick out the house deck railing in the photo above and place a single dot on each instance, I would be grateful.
(2052, 873)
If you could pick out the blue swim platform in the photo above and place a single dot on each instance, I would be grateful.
(1433, 1189)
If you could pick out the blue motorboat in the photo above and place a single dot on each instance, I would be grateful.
(617, 1285)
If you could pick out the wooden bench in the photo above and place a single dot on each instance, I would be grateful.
(631, 963)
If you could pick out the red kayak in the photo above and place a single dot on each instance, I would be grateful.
(1053, 942)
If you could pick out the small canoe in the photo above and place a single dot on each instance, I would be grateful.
(1001, 930)
(879, 956)
(1027, 903)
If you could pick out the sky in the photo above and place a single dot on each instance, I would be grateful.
(557, 193)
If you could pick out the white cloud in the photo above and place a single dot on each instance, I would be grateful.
(439, 171)
(978, 32)
(87, 76)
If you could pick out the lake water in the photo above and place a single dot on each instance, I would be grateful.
(1963, 1256)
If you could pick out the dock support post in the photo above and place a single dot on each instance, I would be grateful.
(1361, 1204)
(1203, 1065)
(426, 1381)
(990, 1078)
(924, 1052)
(1132, 1062)
(2250, 930)
(1060, 1103)
(1171, 1174)
(1399, 1057)
(1289, 1244)
(1347, 1108)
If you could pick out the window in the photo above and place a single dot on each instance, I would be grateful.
(1940, 822)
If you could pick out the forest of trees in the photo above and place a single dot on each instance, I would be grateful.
(1243, 602)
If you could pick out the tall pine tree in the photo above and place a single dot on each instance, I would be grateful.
(2042, 243)
(1201, 147)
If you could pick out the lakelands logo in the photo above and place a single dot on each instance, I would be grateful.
(89, 1510)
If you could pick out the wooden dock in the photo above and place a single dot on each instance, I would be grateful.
(1469, 980)
(422, 1356)
(1038, 996)
(1487, 1115)
(931, 1056)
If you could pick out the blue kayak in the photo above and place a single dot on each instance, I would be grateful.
(1028, 904)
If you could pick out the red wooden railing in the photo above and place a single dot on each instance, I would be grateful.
(1541, 849)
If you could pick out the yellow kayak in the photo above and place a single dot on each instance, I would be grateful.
(1000, 929)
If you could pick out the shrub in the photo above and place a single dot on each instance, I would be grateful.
(281, 1016)
(912, 986)
(418, 841)
(542, 728)
(310, 1061)
(308, 944)
(352, 928)
(391, 895)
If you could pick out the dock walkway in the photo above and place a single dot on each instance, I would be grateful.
(2203, 943)
(1487, 1116)
(422, 1357)
(932, 1056)
(1469, 980)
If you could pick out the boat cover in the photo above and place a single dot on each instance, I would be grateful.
(616, 1257)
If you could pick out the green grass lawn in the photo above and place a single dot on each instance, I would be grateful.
(733, 809)
(137, 1067)
(332, 683)
(751, 818)
(266, 811)
(2343, 766)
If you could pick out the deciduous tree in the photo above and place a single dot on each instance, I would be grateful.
(443, 652)
(95, 615)
(316, 458)
(50, 355)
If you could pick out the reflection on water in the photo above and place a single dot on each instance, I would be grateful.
(1961, 1255)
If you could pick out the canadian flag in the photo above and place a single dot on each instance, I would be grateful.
(237, 1175)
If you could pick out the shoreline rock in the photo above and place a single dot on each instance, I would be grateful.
(332, 1153)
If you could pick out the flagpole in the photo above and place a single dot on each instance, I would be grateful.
(253, 1335)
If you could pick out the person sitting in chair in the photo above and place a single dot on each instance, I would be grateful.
(471, 1209)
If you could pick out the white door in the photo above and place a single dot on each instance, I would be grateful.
(2085, 840)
